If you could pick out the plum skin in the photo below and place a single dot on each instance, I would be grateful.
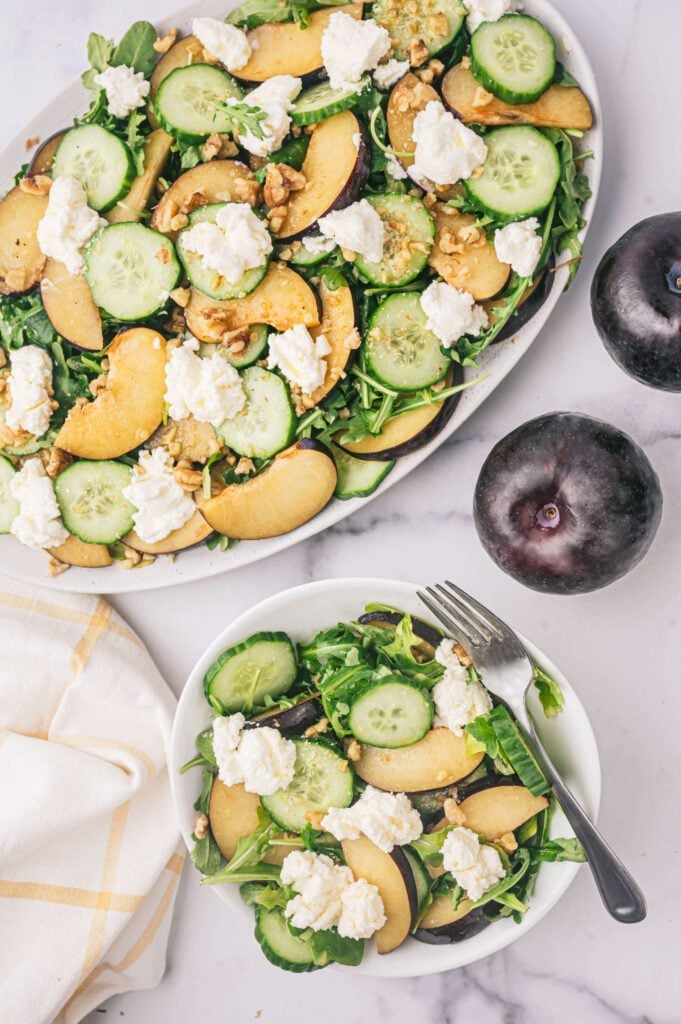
(566, 504)
(636, 304)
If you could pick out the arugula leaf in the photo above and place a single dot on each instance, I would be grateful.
(559, 850)
(206, 755)
(572, 192)
(520, 865)
(480, 736)
(550, 693)
(248, 853)
(23, 321)
(99, 52)
(136, 48)
(202, 804)
(270, 896)
(563, 77)
(330, 947)
(446, 885)
(429, 846)
(312, 840)
(135, 138)
(206, 855)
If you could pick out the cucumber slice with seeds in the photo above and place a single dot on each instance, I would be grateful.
(189, 102)
(435, 22)
(267, 424)
(323, 779)
(321, 101)
(255, 347)
(400, 351)
(91, 501)
(357, 478)
(129, 274)
(392, 712)
(517, 752)
(514, 58)
(209, 281)
(409, 236)
(9, 506)
(279, 945)
(101, 162)
(240, 679)
(519, 176)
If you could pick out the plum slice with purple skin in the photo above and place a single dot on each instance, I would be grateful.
(566, 504)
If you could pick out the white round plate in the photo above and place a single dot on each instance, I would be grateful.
(498, 361)
(303, 611)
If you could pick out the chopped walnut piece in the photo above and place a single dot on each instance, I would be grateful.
(465, 62)
(418, 52)
(97, 385)
(163, 255)
(180, 296)
(438, 24)
(477, 171)
(508, 842)
(482, 98)
(276, 217)
(163, 43)
(179, 221)
(453, 812)
(244, 467)
(314, 818)
(318, 729)
(342, 766)
(186, 476)
(447, 243)
(281, 180)
(201, 827)
(30, 142)
(462, 656)
(354, 751)
(55, 567)
(54, 460)
(132, 555)
(246, 190)
(354, 339)
(36, 184)
(211, 147)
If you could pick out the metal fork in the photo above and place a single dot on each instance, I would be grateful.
(502, 661)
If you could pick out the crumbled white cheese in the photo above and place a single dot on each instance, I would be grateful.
(125, 88)
(299, 357)
(362, 911)
(238, 241)
(208, 389)
(357, 227)
(486, 10)
(30, 390)
(457, 699)
(520, 245)
(350, 47)
(38, 523)
(447, 150)
(475, 867)
(318, 245)
(395, 168)
(262, 759)
(161, 504)
(275, 97)
(67, 224)
(227, 43)
(451, 312)
(320, 884)
(387, 819)
(387, 74)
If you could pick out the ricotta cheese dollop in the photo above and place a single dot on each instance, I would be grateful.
(261, 759)
(475, 867)
(387, 819)
(67, 224)
(125, 88)
(362, 911)
(226, 43)
(386, 75)
(327, 896)
(350, 47)
(299, 356)
(520, 245)
(30, 390)
(486, 10)
(38, 523)
(161, 505)
(238, 241)
(457, 699)
(208, 389)
(447, 150)
(451, 312)
(318, 245)
(275, 98)
(357, 227)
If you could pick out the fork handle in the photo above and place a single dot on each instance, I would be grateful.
(621, 895)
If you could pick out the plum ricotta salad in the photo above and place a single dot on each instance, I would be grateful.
(365, 785)
(250, 276)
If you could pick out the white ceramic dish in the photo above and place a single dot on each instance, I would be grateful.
(301, 612)
(22, 563)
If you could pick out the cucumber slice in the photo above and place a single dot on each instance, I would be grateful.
(91, 502)
(357, 478)
(435, 22)
(321, 101)
(208, 281)
(126, 274)
(400, 351)
(422, 879)
(407, 224)
(392, 712)
(101, 162)
(302, 257)
(33, 445)
(255, 346)
(520, 174)
(323, 778)
(517, 752)
(243, 675)
(514, 58)
(190, 102)
(9, 506)
(268, 423)
(281, 947)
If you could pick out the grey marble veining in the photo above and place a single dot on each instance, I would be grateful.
(619, 647)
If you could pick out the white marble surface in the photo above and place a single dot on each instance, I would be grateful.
(620, 647)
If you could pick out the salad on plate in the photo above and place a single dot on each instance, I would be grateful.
(250, 276)
(365, 786)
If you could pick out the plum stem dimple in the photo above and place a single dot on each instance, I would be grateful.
(674, 278)
(549, 516)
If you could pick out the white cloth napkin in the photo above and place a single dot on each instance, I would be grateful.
(89, 854)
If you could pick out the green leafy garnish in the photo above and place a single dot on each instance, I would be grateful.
(549, 692)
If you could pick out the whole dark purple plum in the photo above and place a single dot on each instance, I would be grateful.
(636, 301)
(566, 503)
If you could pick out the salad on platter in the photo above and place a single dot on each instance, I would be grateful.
(251, 275)
(365, 786)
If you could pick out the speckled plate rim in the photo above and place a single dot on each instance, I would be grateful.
(302, 611)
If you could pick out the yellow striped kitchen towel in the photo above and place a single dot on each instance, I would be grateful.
(89, 855)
